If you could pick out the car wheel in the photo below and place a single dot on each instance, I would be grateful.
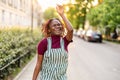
(100, 41)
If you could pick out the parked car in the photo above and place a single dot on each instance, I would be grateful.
(91, 35)
(79, 32)
(82, 34)
(75, 32)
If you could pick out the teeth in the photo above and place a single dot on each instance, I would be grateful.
(58, 29)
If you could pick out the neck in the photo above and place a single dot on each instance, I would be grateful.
(55, 35)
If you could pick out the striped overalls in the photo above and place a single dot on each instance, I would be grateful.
(55, 62)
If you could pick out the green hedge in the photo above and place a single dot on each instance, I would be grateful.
(15, 42)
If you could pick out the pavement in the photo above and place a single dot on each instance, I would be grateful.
(27, 72)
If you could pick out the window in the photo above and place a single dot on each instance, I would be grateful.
(10, 17)
(3, 15)
(21, 4)
(15, 3)
(10, 2)
(4, 1)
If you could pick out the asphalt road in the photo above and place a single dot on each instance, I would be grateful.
(93, 61)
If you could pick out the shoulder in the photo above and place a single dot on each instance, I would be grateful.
(42, 41)
(42, 46)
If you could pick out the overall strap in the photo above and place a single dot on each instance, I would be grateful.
(62, 43)
(49, 43)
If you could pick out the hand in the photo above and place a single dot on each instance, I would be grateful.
(60, 9)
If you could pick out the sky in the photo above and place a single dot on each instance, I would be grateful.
(51, 3)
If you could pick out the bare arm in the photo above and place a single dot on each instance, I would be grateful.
(37, 67)
(68, 25)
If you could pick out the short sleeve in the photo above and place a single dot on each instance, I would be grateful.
(66, 43)
(42, 46)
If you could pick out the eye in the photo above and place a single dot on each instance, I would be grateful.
(56, 25)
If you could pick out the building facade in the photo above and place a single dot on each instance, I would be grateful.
(18, 13)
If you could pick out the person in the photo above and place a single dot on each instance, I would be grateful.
(114, 35)
(52, 59)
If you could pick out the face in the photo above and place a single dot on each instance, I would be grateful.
(56, 27)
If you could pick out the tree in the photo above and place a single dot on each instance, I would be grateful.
(50, 13)
(77, 12)
(105, 14)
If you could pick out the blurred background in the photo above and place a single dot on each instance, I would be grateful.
(21, 22)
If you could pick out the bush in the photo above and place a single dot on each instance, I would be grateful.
(15, 43)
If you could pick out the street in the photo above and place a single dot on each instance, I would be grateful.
(93, 61)
(87, 61)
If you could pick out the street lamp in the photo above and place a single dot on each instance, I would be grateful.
(32, 13)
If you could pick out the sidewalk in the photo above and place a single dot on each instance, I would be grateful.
(27, 72)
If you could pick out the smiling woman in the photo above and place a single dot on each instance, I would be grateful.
(52, 56)
(51, 3)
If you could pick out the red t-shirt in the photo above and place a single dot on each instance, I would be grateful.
(42, 46)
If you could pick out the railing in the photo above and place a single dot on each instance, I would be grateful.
(15, 62)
